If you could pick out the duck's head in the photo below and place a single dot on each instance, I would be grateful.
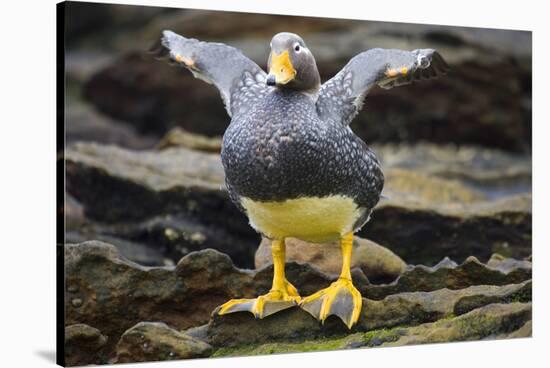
(291, 65)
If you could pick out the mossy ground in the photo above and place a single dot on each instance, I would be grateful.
(356, 340)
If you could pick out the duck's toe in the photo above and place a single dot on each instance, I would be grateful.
(341, 298)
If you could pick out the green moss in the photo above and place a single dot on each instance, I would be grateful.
(320, 344)
(359, 339)
(522, 296)
(378, 337)
(447, 317)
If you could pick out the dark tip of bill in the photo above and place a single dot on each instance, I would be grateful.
(270, 80)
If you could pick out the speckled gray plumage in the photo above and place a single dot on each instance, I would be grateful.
(282, 150)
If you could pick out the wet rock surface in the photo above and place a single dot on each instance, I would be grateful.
(84, 123)
(401, 309)
(83, 345)
(478, 324)
(112, 294)
(178, 137)
(448, 274)
(174, 201)
(494, 172)
(443, 201)
(505, 320)
(108, 293)
(151, 341)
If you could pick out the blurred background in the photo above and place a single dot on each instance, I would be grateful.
(143, 138)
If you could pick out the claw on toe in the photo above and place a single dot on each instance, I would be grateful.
(341, 298)
(264, 305)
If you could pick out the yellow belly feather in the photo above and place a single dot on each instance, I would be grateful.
(311, 219)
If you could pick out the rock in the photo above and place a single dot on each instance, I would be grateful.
(137, 252)
(164, 197)
(482, 323)
(478, 324)
(447, 274)
(80, 65)
(426, 217)
(422, 189)
(94, 21)
(524, 331)
(453, 201)
(83, 345)
(143, 92)
(157, 171)
(508, 293)
(308, 345)
(114, 294)
(506, 265)
(238, 329)
(496, 173)
(110, 293)
(174, 200)
(421, 231)
(377, 263)
(199, 332)
(164, 239)
(410, 308)
(83, 123)
(404, 309)
(73, 213)
(178, 137)
(489, 85)
(154, 341)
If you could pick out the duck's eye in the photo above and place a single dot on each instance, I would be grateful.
(297, 47)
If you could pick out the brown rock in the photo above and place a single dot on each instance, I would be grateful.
(420, 188)
(481, 323)
(180, 192)
(111, 293)
(114, 294)
(492, 171)
(478, 324)
(154, 341)
(423, 231)
(404, 309)
(506, 264)
(178, 137)
(447, 274)
(83, 345)
(84, 124)
(524, 331)
(174, 199)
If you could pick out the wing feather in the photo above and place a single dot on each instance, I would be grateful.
(341, 97)
(239, 79)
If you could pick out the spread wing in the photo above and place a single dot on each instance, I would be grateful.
(341, 97)
(239, 79)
